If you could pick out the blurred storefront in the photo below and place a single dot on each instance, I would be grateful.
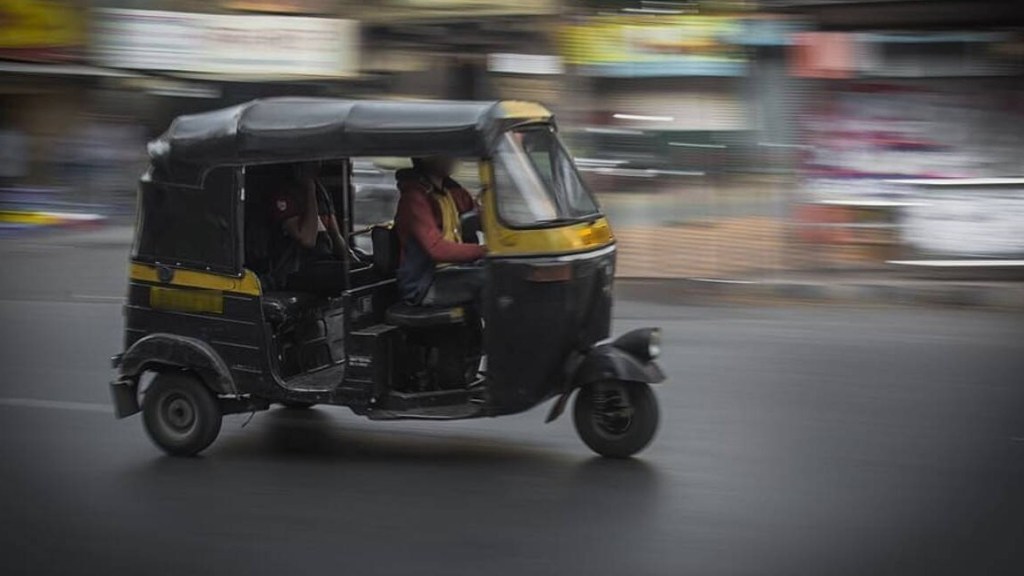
(41, 48)
(686, 92)
(677, 106)
(69, 143)
(198, 60)
(905, 121)
(735, 143)
(464, 49)
(725, 138)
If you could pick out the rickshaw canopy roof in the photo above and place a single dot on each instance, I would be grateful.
(292, 129)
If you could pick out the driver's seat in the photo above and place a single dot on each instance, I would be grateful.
(385, 260)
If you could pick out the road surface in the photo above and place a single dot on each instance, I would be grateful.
(795, 440)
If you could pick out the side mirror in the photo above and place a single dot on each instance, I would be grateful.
(470, 225)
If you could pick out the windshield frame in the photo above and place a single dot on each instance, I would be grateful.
(506, 137)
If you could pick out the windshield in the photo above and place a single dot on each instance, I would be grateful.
(536, 182)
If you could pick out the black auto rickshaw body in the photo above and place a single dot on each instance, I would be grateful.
(213, 337)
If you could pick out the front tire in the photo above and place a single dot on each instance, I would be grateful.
(616, 419)
(180, 414)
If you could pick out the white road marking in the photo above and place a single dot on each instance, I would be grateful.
(723, 281)
(958, 263)
(56, 404)
(97, 298)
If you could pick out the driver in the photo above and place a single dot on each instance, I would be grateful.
(429, 232)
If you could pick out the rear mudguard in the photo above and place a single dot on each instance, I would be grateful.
(161, 351)
(604, 362)
(182, 352)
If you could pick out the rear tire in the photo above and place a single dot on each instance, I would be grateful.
(297, 405)
(616, 419)
(180, 414)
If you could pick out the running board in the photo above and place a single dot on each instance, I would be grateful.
(456, 412)
(321, 380)
(439, 405)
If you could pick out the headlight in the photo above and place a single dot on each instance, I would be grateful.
(644, 343)
(654, 344)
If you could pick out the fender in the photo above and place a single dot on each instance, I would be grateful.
(609, 362)
(604, 362)
(181, 351)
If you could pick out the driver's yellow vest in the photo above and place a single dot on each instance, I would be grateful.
(450, 226)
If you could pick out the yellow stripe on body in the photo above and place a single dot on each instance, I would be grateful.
(248, 284)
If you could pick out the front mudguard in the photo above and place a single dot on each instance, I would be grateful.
(604, 362)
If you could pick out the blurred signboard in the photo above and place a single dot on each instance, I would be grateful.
(973, 219)
(843, 55)
(470, 4)
(634, 45)
(279, 6)
(39, 30)
(504, 63)
(226, 44)
(390, 12)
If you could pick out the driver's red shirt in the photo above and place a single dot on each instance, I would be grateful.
(418, 219)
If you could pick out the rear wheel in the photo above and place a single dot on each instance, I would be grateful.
(297, 405)
(616, 419)
(180, 414)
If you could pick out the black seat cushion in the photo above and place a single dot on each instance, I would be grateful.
(281, 307)
(385, 250)
(410, 316)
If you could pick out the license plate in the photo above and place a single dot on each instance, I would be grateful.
(210, 301)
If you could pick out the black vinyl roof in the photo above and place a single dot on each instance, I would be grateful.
(292, 128)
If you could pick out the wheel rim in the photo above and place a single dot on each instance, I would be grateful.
(178, 414)
(612, 416)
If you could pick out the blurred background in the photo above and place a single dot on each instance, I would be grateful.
(726, 139)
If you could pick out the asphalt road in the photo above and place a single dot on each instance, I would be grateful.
(794, 440)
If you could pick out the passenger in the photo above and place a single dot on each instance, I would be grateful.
(308, 253)
(428, 222)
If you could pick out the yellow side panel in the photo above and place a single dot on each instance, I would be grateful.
(248, 284)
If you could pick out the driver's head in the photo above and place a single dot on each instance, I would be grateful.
(440, 166)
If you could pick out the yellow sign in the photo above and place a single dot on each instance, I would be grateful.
(618, 39)
(39, 25)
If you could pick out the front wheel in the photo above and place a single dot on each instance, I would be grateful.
(181, 415)
(616, 419)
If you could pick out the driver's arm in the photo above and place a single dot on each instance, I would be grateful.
(338, 243)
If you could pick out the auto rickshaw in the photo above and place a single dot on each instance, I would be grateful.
(205, 335)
